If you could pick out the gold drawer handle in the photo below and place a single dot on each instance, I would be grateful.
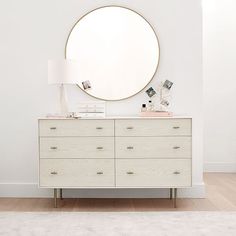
(53, 128)
(176, 173)
(129, 172)
(53, 148)
(130, 147)
(53, 173)
(176, 147)
(99, 173)
(176, 127)
(99, 128)
(130, 127)
(99, 148)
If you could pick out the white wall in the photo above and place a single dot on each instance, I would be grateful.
(33, 31)
(219, 51)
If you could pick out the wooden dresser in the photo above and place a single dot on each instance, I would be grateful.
(115, 153)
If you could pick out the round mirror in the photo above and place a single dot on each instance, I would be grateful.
(117, 52)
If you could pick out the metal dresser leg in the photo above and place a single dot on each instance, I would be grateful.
(61, 194)
(55, 197)
(171, 191)
(175, 197)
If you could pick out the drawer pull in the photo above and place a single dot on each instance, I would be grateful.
(176, 147)
(130, 127)
(129, 172)
(130, 147)
(53, 128)
(99, 148)
(53, 148)
(176, 127)
(53, 173)
(176, 173)
(99, 173)
(99, 128)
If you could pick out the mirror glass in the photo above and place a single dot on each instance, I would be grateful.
(117, 52)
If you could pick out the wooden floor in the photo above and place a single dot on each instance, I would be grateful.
(220, 196)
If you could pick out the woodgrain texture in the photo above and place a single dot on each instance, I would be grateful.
(153, 147)
(68, 127)
(76, 147)
(157, 154)
(153, 172)
(76, 172)
(152, 127)
(220, 196)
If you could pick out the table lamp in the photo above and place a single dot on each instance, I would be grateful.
(63, 72)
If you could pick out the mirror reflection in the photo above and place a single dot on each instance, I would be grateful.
(117, 52)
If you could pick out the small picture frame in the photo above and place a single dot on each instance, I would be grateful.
(165, 103)
(167, 84)
(86, 84)
(150, 92)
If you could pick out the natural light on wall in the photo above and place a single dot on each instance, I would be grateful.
(219, 50)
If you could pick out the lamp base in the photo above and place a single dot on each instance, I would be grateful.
(63, 101)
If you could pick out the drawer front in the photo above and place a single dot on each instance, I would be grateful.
(153, 127)
(77, 147)
(76, 173)
(153, 173)
(76, 127)
(153, 147)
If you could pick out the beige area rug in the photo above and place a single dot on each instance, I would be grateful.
(118, 223)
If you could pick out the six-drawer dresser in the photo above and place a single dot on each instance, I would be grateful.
(115, 153)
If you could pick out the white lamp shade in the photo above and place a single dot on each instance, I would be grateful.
(63, 72)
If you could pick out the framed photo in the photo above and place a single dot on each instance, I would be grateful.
(150, 92)
(86, 84)
(165, 103)
(167, 84)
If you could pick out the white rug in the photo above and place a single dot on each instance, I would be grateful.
(118, 223)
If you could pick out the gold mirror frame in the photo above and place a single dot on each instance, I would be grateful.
(144, 20)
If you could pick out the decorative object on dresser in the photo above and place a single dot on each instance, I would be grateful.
(164, 91)
(91, 109)
(162, 109)
(115, 153)
(63, 72)
(150, 92)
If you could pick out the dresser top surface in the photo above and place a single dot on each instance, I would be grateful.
(115, 118)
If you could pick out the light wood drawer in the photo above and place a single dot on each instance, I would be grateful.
(153, 127)
(153, 147)
(76, 173)
(76, 127)
(153, 173)
(77, 147)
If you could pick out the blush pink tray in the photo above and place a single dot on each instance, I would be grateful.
(156, 114)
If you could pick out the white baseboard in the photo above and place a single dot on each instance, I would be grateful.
(228, 167)
(31, 190)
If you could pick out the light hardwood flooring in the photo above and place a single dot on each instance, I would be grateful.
(220, 196)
